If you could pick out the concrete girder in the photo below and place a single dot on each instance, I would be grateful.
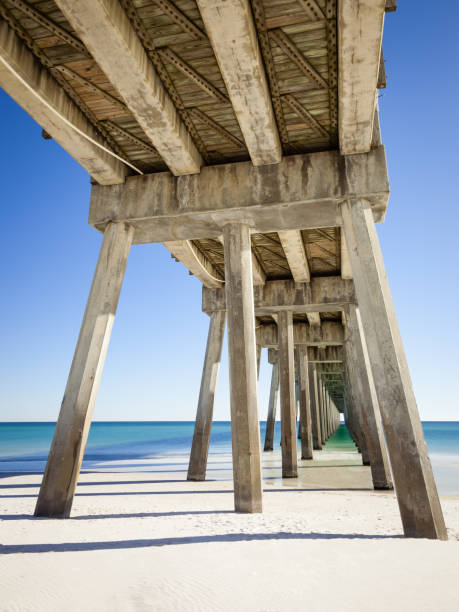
(33, 88)
(360, 29)
(232, 33)
(107, 32)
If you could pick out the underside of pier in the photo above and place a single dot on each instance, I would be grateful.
(244, 136)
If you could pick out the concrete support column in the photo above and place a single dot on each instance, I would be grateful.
(417, 495)
(287, 395)
(243, 368)
(272, 407)
(69, 442)
(200, 446)
(322, 409)
(315, 411)
(258, 360)
(362, 377)
(305, 408)
(354, 411)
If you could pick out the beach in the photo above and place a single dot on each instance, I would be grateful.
(146, 539)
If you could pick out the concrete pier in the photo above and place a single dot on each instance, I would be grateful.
(72, 429)
(272, 407)
(305, 408)
(415, 486)
(362, 383)
(287, 395)
(203, 424)
(243, 369)
(315, 410)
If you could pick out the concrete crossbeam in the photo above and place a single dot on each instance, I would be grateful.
(303, 191)
(360, 29)
(332, 356)
(107, 32)
(328, 334)
(232, 33)
(322, 294)
(32, 87)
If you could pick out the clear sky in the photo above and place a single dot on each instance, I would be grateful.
(153, 368)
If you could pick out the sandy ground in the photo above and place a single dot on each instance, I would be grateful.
(149, 540)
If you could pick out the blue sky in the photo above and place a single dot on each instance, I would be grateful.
(153, 368)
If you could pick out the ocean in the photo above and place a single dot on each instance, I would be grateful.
(123, 445)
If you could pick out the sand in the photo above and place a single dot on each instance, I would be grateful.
(149, 540)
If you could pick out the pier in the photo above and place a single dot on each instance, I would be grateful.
(244, 136)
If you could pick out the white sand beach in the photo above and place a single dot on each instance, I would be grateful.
(149, 540)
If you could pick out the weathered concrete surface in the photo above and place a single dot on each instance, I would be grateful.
(243, 369)
(287, 396)
(107, 32)
(104, 168)
(365, 392)
(329, 356)
(305, 408)
(272, 408)
(315, 409)
(232, 33)
(322, 294)
(329, 333)
(301, 192)
(195, 262)
(69, 442)
(203, 424)
(346, 270)
(292, 244)
(360, 29)
(415, 486)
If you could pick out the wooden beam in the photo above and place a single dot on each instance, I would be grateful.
(292, 244)
(303, 113)
(196, 262)
(167, 54)
(114, 44)
(49, 25)
(33, 88)
(360, 28)
(292, 51)
(232, 33)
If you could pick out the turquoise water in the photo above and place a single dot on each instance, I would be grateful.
(24, 446)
